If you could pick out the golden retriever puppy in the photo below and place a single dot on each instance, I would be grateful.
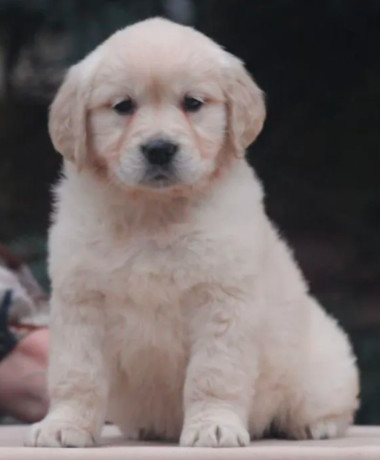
(177, 310)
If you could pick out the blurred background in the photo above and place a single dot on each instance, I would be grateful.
(318, 61)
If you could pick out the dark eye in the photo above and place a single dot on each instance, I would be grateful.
(192, 104)
(126, 107)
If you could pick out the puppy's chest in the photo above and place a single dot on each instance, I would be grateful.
(153, 271)
(148, 340)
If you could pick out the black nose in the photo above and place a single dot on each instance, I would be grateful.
(159, 151)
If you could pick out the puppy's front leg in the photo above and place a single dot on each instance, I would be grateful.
(221, 373)
(77, 375)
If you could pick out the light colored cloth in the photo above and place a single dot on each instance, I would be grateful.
(29, 302)
(360, 443)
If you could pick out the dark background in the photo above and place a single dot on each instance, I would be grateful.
(318, 62)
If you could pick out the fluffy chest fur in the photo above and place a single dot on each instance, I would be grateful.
(149, 263)
(150, 273)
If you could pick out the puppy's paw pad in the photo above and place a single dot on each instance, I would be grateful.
(327, 428)
(215, 434)
(57, 434)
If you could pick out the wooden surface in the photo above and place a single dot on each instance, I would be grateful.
(360, 443)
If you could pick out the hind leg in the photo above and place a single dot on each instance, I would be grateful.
(324, 396)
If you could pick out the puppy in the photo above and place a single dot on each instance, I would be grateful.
(177, 310)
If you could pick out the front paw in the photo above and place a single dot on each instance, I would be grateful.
(215, 432)
(56, 433)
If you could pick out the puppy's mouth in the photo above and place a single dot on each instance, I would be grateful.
(159, 178)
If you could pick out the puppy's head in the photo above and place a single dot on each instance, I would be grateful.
(157, 106)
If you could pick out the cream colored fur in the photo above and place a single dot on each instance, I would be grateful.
(178, 311)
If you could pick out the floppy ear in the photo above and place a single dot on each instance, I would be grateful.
(67, 120)
(245, 105)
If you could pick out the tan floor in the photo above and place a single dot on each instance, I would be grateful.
(359, 443)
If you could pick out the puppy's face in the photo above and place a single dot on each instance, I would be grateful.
(157, 119)
(157, 106)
